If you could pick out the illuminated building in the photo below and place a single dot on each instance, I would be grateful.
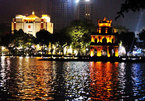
(104, 42)
(32, 24)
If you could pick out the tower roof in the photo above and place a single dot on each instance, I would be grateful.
(104, 22)
(32, 16)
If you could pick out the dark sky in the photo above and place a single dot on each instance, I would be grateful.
(133, 21)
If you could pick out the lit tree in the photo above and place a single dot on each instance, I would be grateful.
(19, 42)
(61, 40)
(80, 32)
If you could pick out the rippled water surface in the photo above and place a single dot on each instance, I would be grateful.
(31, 79)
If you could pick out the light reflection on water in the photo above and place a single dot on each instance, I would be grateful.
(31, 79)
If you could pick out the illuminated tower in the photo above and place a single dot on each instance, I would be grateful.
(104, 42)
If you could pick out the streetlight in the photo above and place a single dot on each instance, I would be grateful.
(87, 0)
(77, 1)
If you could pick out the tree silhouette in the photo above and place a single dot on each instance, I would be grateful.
(128, 39)
(44, 37)
(142, 35)
(133, 5)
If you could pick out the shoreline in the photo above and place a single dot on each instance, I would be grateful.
(85, 58)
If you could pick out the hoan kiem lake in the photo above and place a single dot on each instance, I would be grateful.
(28, 78)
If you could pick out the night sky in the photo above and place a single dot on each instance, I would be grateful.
(132, 21)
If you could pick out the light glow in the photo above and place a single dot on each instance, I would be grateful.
(92, 53)
(99, 52)
(116, 52)
(46, 17)
(92, 39)
(104, 24)
(87, 0)
(77, 1)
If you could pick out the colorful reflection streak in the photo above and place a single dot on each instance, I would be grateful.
(132, 81)
(30, 80)
(104, 80)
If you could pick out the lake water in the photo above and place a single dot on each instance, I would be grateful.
(32, 79)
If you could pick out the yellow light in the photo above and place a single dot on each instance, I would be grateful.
(20, 17)
(106, 31)
(33, 13)
(99, 30)
(104, 24)
(46, 17)
(108, 40)
(98, 39)
(92, 53)
(99, 51)
(101, 39)
(115, 31)
(116, 52)
(108, 54)
(92, 39)
(3, 48)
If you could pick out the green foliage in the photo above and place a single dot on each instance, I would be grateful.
(80, 31)
(77, 33)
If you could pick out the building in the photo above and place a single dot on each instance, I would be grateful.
(32, 24)
(61, 12)
(104, 42)
(84, 9)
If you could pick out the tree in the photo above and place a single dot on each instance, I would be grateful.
(128, 40)
(62, 37)
(19, 41)
(142, 35)
(44, 37)
(4, 31)
(134, 5)
(80, 31)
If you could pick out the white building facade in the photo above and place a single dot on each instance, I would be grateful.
(32, 24)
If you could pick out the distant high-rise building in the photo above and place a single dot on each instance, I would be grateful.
(61, 12)
(84, 9)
